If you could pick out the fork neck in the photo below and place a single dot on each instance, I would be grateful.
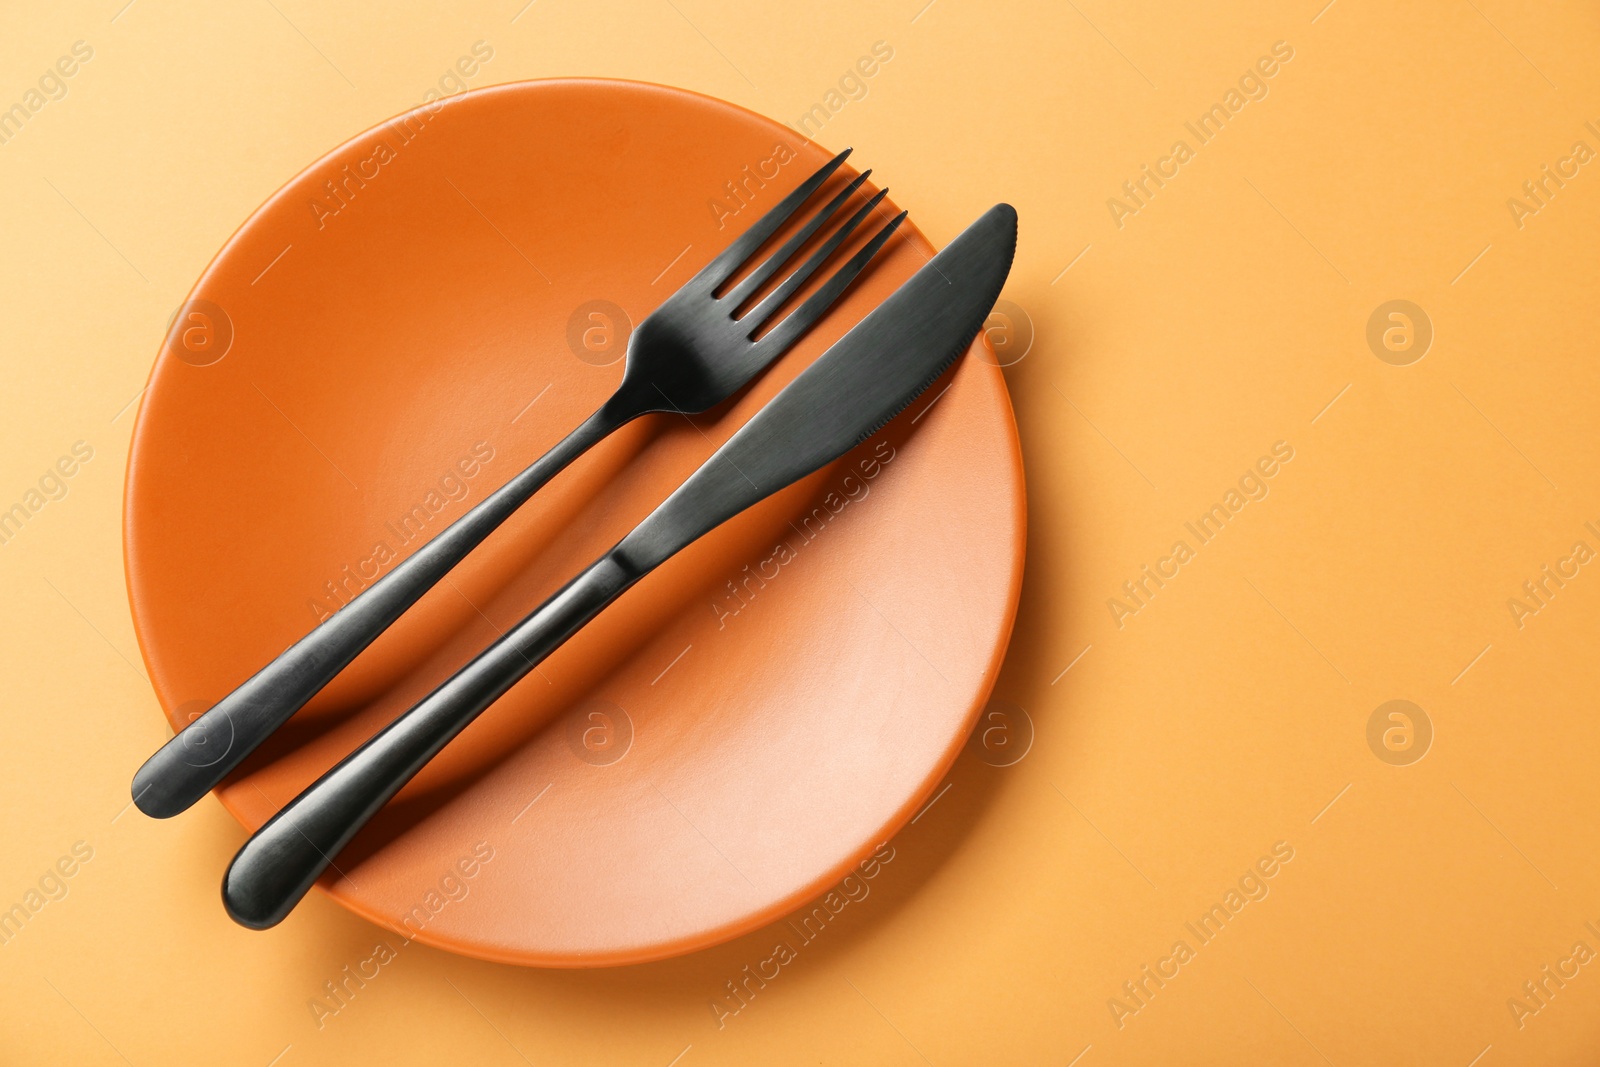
(634, 397)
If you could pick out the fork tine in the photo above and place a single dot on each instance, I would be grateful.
(774, 300)
(733, 257)
(806, 315)
(758, 277)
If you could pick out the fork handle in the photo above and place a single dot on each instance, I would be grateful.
(205, 751)
(282, 860)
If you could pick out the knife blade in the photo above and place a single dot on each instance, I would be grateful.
(866, 378)
(847, 395)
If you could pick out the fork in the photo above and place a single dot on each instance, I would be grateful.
(685, 357)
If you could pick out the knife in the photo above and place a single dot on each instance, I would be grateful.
(866, 378)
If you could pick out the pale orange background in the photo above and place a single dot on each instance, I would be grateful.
(1227, 715)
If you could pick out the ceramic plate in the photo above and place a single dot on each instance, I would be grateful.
(406, 324)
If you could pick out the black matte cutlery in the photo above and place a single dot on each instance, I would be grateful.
(864, 380)
(687, 356)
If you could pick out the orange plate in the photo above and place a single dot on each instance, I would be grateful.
(413, 319)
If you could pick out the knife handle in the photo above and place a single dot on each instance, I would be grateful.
(205, 751)
(282, 860)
